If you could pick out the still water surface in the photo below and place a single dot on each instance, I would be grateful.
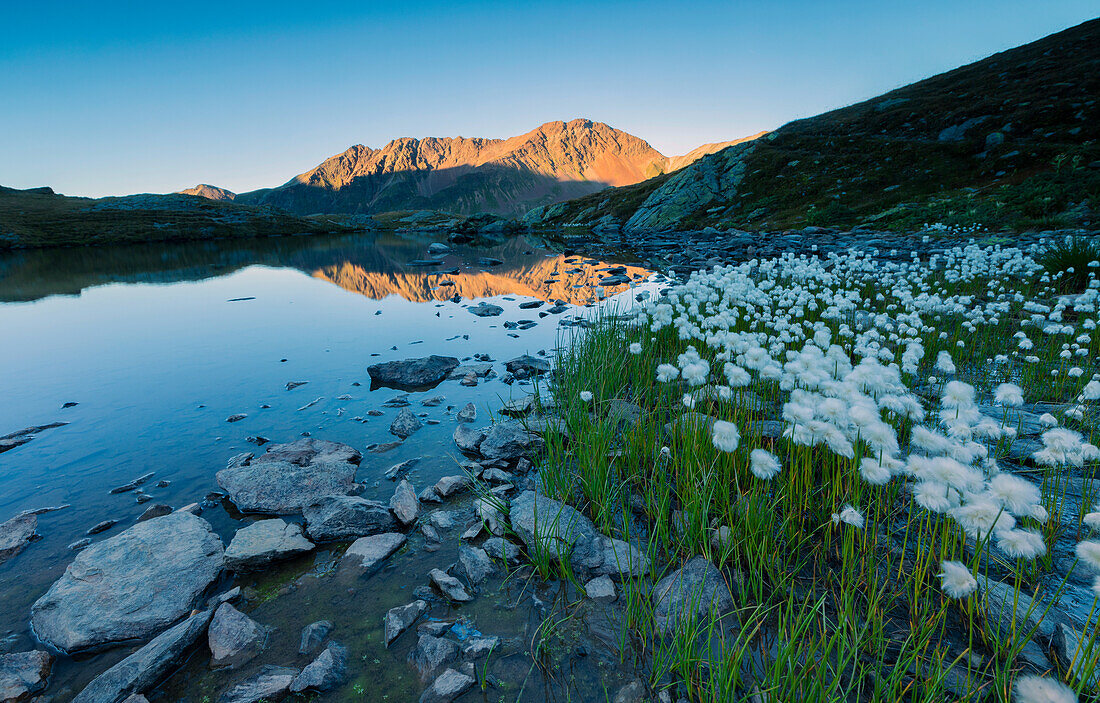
(159, 344)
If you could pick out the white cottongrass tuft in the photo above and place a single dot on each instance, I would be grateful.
(956, 580)
(1092, 520)
(849, 516)
(1014, 493)
(586, 396)
(1009, 394)
(635, 348)
(1021, 544)
(1039, 689)
(1089, 552)
(764, 464)
(873, 472)
(725, 436)
(667, 372)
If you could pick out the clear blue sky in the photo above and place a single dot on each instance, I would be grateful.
(120, 97)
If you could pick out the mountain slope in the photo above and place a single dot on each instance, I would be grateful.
(209, 192)
(1009, 141)
(554, 162)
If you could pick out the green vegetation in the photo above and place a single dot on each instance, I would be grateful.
(1070, 261)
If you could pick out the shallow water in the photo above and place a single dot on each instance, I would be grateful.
(159, 344)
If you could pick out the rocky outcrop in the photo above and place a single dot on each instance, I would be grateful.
(264, 542)
(290, 477)
(130, 586)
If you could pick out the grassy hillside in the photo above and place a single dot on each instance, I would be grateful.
(1010, 141)
(40, 218)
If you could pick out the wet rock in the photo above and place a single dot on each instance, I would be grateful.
(234, 636)
(131, 585)
(402, 468)
(452, 485)
(144, 668)
(474, 564)
(431, 536)
(132, 484)
(369, 552)
(15, 439)
(519, 407)
(434, 401)
(528, 365)
(477, 647)
(271, 683)
(469, 380)
(324, 673)
(435, 628)
(291, 385)
(601, 589)
(633, 692)
(412, 374)
(500, 548)
(1007, 610)
(690, 592)
(441, 520)
(449, 586)
(80, 544)
(404, 503)
(405, 424)
(264, 542)
(313, 636)
(236, 417)
(23, 674)
(15, 534)
(101, 527)
(479, 370)
(402, 617)
(508, 441)
(428, 495)
(467, 414)
(448, 686)
(432, 654)
(346, 517)
(157, 510)
(484, 309)
(468, 439)
(290, 477)
(1071, 647)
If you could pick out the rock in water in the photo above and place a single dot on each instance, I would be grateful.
(474, 563)
(347, 517)
(509, 441)
(486, 310)
(290, 477)
(234, 636)
(404, 503)
(130, 586)
(264, 542)
(16, 534)
(145, 667)
(468, 439)
(404, 424)
(431, 654)
(449, 586)
(313, 635)
(528, 365)
(23, 674)
(326, 672)
(402, 617)
(467, 414)
(270, 684)
(690, 592)
(412, 374)
(450, 685)
(368, 552)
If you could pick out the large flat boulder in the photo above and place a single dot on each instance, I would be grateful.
(368, 552)
(130, 586)
(264, 542)
(144, 668)
(412, 374)
(347, 517)
(290, 477)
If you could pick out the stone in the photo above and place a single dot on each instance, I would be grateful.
(448, 686)
(600, 589)
(434, 401)
(157, 510)
(474, 564)
(508, 441)
(1026, 424)
(324, 673)
(449, 586)
(468, 439)
(530, 365)
(690, 592)
(489, 510)
(15, 534)
(290, 477)
(1070, 646)
(441, 520)
(633, 692)
(452, 485)
(478, 370)
(264, 542)
(431, 654)
(21, 437)
(467, 414)
(412, 374)
(484, 309)
(270, 683)
(313, 636)
(500, 548)
(144, 668)
(232, 635)
(401, 618)
(1007, 610)
(236, 417)
(404, 503)
(405, 424)
(435, 628)
(368, 552)
(340, 517)
(477, 647)
(130, 586)
(23, 674)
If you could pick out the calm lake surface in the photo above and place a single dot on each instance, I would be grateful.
(159, 344)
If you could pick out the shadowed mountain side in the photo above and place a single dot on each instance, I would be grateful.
(34, 274)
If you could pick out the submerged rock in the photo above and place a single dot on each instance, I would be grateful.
(369, 552)
(467, 414)
(452, 485)
(402, 617)
(346, 517)
(484, 309)
(431, 654)
(290, 477)
(412, 374)
(16, 534)
(313, 635)
(144, 668)
(448, 686)
(405, 424)
(324, 673)
(449, 586)
(269, 684)
(528, 365)
(690, 592)
(264, 542)
(234, 636)
(130, 586)
(23, 674)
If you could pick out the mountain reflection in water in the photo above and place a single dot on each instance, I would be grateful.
(373, 265)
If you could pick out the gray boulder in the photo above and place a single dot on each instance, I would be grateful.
(313, 635)
(502, 549)
(324, 673)
(452, 485)
(449, 586)
(690, 592)
(404, 503)
(474, 564)
(467, 413)
(264, 542)
(448, 686)
(402, 617)
(600, 589)
(528, 365)
(405, 424)
(271, 683)
(290, 477)
(412, 374)
(484, 309)
(339, 517)
(130, 586)
(23, 674)
(508, 441)
(1071, 647)
(368, 552)
(233, 636)
(432, 654)
(467, 439)
(16, 534)
(144, 668)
